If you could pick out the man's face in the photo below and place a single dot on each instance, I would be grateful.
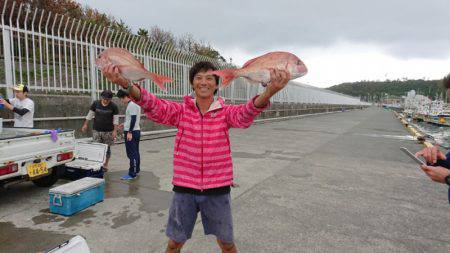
(19, 94)
(204, 84)
(106, 101)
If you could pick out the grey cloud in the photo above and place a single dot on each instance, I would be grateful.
(406, 28)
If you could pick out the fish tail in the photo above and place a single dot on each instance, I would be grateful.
(227, 76)
(159, 80)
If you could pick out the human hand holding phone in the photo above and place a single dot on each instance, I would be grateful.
(412, 156)
(431, 154)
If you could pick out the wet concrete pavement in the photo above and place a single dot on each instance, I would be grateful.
(328, 183)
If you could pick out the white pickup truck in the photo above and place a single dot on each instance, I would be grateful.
(33, 155)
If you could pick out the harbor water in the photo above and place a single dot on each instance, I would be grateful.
(436, 133)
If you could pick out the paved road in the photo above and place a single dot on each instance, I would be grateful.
(329, 183)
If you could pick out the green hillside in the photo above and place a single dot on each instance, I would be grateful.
(374, 90)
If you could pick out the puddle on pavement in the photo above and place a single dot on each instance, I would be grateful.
(77, 219)
(124, 218)
(145, 188)
(14, 239)
(23, 190)
(46, 217)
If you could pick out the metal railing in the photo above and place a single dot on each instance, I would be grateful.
(55, 53)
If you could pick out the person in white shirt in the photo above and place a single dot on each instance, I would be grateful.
(132, 134)
(22, 106)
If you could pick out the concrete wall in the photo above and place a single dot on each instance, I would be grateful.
(48, 106)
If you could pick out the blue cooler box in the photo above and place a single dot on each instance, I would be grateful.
(75, 196)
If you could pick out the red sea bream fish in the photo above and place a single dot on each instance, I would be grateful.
(130, 68)
(257, 70)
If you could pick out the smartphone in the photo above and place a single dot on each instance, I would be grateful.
(412, 156)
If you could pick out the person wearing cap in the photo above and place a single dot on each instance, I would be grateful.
(106, 120)
(21, 105)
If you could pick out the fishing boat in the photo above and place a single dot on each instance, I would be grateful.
(443, 118)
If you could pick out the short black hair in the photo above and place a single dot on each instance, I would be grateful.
(106, 94)
(446, 82)
(122, 94)
(202, 66)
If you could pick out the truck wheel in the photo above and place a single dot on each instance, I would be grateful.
(49, 180)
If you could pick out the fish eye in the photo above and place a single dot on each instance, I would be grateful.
(299, 62)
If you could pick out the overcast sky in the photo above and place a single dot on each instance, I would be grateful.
(339, 41)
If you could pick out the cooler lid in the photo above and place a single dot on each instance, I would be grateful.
(93, 151)
(77, 186)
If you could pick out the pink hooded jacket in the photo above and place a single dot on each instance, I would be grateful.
(202, 154)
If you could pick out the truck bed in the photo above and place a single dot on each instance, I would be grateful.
(25, 146)
(20, 144)
(13, 133)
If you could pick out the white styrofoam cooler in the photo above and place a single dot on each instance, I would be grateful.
(75, 245)
(88, 162)
(89, 156)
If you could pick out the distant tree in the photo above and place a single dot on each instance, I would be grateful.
(160, 36)
(377, 89)
(74, 10)
(208, 51)
(95, 17)
(121, 26)
(142, 32)
(188, 43)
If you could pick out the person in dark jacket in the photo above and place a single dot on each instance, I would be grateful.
(106, 120)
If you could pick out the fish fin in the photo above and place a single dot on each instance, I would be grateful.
(159, 80)
(253, 60)
(227, 76)
(250, 61)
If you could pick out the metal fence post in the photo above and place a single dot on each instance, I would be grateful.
(93, 73)
(232, 92)
(8, 64)
(185, 84)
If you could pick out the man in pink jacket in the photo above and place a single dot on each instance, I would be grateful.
(202, 165)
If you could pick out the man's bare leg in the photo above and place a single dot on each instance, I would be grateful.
(227, 247)
(106, 164)
(174, 247)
